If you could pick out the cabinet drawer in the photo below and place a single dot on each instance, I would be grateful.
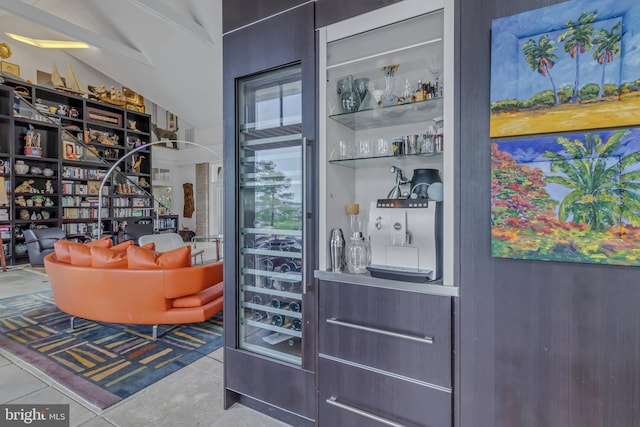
(402, 332)
(353, 396)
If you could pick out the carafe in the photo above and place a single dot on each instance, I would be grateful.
(358, 256)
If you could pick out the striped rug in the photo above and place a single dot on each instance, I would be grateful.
(102, 363)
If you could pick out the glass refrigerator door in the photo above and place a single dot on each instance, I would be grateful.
(271, 191)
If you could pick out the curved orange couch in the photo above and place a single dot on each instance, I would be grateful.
(151, 297)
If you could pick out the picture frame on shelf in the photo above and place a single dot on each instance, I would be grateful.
(93, 187)
(172, 121)
(69, 150)
(8, 67)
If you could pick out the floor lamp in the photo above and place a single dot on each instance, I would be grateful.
(142, 147)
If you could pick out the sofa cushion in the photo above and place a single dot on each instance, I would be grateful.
(80, 255)
(61, 247)
(145, 259)
(108, 258)
(151, 246)
(199, 299)
(122, 247)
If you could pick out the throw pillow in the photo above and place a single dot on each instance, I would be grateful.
(144, 259)
(61, 247)
(108, 258)
(80, 255)
(150, 246)
(122, 247)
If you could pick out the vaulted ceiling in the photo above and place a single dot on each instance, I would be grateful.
(169, 51)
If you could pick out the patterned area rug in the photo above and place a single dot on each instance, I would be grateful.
(102, 363)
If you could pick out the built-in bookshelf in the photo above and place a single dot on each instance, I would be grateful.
(55, 150)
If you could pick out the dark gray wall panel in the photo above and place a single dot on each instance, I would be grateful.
(331, 11)
(237, 13)
(541, 343)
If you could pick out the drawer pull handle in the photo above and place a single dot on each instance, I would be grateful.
(424, 340)
(334, 402)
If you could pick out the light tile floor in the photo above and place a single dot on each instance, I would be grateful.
(192, 396)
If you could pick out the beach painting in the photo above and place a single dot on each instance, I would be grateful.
(573, 197)
(566, 67)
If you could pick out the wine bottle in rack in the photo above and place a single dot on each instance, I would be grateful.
(276, 303)
(259, 315)
(295, 306)
(280, 320)
(296, 324)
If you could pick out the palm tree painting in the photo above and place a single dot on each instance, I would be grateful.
(571, 197)
(570, 66)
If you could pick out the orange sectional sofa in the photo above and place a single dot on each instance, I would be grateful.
(137, 296)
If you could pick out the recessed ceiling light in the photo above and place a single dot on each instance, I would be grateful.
(49, 44)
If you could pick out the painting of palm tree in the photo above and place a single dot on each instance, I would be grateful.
(607, 46)
(577, 39)
(541, 58)
(569, 66)
(568, 198)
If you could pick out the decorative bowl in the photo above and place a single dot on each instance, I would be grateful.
(47, 172)
(35, 170)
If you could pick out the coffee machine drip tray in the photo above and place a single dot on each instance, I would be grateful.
(402, 274)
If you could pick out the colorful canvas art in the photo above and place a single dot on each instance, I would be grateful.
(571, 66)
(571, 198)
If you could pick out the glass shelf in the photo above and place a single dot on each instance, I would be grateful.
(372, 162)
(413, 112)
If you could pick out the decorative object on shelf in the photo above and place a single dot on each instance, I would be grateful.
(69, 150)
(47, 172)
(388, 98)
(13, 70)
(21, 167)
(97, 115)
(73, 113)
(38, 200)
(48, 187)
(26, 187)
(36, 170)
(45, 214)
(32, 141)
(48, 202)
(142, 182)
(21, 248)
(137, 162)
(348, 102)
(135, 101)
(62, 110)
(132, 125)
(20, 201)
(24, 214)
(70, 84)
(113, 97)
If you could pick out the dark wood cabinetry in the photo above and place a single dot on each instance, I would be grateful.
(269, 61)
(384, 354)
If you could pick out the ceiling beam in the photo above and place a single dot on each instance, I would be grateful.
(174, 18)
(72, 30)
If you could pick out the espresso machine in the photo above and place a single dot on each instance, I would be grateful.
(406, 230)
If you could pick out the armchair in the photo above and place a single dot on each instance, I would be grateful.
(40, 243)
